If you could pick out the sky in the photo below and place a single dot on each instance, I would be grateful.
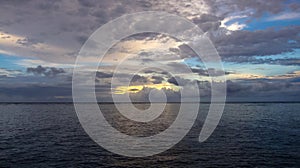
(257, 40)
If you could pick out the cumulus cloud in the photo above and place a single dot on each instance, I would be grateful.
(46, 71)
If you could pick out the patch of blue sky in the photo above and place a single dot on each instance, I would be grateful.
(266, 22)
(260, 69)
(10, 62)
(193, 62)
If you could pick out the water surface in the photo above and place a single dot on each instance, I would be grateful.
(249, 135)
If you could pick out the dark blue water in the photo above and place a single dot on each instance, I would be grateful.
(249, 135)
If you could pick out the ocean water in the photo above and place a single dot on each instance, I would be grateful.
(248, 135)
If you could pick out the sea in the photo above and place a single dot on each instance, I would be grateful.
(248, 135)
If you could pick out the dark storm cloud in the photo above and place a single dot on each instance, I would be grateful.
(46, 71)
(258, 43)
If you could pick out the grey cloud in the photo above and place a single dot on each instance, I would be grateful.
(259, 86)
(260, 7)
(46, 71)
(215, 72)
(295, 6)
(28, 41)
(104, 75)
(143, 95)
(208, 22)
(200, 71)
(139, 79)
(36, 93)
(149, 71)
(258, 43)
(73, 22)
(178, 81)
(184, 51)
(146, 60)
(157, 79)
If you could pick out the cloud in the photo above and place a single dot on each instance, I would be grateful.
(210, 72)
(104, 75)
(9, 73)
(255, 8)
(25, 31)
(185, 51)
(272, 61)
(35, 93)
(136, 79)
(233, 26)
(144, 94)
(285, 16)
(236, 26)
(157, 79)
(72, 22)
(262, 90)
(149, 71)
(258, 43)
(178, 81)
(46, 71)
(28, 42)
